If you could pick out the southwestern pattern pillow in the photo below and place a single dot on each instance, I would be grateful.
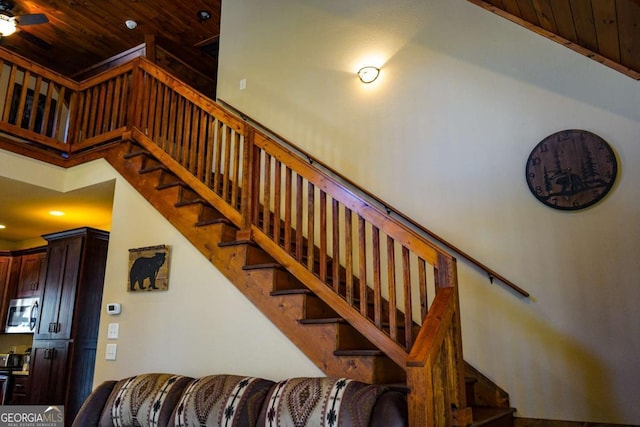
(143, 400)
(320, 402)
(221, 400)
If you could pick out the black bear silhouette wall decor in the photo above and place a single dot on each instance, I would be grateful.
(149, 268)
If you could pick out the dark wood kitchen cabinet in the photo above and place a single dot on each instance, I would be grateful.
(48, 370)
(65, 341)
(31, 278)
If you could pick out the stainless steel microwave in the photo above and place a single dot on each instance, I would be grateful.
(22, 316)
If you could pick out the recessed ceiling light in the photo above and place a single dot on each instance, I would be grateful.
(56, 213)
(2, 226)
(203, 15)
(130, 24)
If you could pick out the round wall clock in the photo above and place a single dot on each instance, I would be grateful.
(571, 169)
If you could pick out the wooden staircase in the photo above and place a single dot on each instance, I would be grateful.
(335, 346)
(361, 293)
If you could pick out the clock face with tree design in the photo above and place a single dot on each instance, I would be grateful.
(571, 169)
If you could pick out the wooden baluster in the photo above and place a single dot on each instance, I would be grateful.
(377, 286)
(230, 134)
(236, 177)
(179, 135)
(100, 109)
(287, 209)
(408, 309)
(203, 146)
(174, 105)
(164, 123)
(266, 194)
(362, 261)
(348, 254)
(335, 221)
(211, 146)
(310, 226)
(391, 279)
(22, 101)
(220, 135)
(277, 200)
(186, 135)
(299, 213)
(422, 277)
(112, 87)
(10, 93)
(323, 237)
(34, 105)
(158, 123)
(152, 103)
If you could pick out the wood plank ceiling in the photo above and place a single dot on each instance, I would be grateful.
(82, 33)
(607, 31)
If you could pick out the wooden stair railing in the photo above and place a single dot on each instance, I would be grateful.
(326, 236)
(349, 253)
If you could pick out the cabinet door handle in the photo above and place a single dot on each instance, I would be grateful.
(50, 353)
(54, 327)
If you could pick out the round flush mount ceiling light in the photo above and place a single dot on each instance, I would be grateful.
(56, 213)
(130, 24)
(368, 74)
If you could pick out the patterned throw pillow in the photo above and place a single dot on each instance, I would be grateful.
(143, 400)
(320, 402)
(221, 400)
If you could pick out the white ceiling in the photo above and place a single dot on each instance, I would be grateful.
(24, 210)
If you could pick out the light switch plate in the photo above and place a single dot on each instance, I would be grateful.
(112, 350)
(113, 331)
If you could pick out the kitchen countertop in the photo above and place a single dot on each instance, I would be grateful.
(19, 372)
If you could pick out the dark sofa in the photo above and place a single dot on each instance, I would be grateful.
(167, 400)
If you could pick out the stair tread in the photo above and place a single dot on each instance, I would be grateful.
(301, 291)
(213, 221)
(189, 202)
(361, 352)
(136, 153)
(263, 265)
(236, 243)
(482, 415)
(322, 321)
(153, 168)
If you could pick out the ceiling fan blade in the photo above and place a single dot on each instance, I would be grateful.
(32, 19)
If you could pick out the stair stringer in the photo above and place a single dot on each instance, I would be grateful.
(255, 284)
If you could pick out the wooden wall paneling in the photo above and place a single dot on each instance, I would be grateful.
(606, 22)
(564, 19)
(545, 14)
(511, 6)
(585, 27)
(528, 11)
(628, 18)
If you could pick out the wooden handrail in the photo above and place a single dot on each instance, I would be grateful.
(391, 210)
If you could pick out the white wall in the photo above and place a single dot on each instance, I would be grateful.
(444, 135)
(201, 325)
